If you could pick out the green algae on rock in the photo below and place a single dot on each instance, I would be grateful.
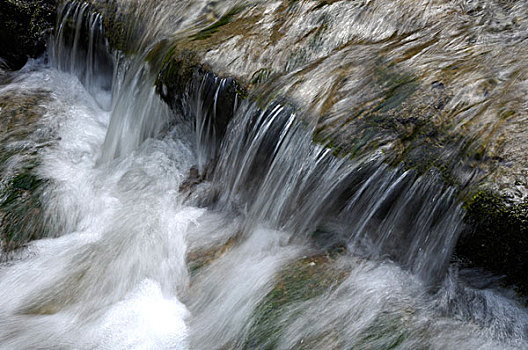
(497, 237)
(24, 29)
(304, 279)
(21, 217)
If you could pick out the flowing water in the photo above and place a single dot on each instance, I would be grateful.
(162, 234)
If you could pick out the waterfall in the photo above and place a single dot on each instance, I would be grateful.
(80, 47)
(213, 220)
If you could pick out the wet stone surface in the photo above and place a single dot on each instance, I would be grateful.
(305, 279)
(24, 29)
(20, 209)
(444, 88)
(441, 88)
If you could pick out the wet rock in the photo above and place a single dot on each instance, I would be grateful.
(304, 279)
(424, 107)
(199, 259)
(183, 84)
(442, 88)
(193, 179)
(21, 216)
(497, 237)
(399, 93)
(25, 26)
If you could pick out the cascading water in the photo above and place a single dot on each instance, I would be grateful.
(80, 48)
(178, 232)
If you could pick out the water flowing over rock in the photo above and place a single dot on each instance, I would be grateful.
(442, 88)
(272, 174)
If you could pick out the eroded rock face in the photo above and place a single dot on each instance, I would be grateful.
(24, 29)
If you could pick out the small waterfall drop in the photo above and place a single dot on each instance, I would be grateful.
(137, 111)
(269, 165)
(212, 220)
(79, 47)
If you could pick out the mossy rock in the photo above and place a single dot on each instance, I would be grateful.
(178, 69)
(198, 260)
(405, 118)
(213, 28)
(118, 23)
(24, 29)
(497, 237)
(19, 111)
(21, 217)
(306, 278)
(181, 77)
(21, 211)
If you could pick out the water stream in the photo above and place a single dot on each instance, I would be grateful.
(163, 234)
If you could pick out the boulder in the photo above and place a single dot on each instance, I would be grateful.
(25, 26)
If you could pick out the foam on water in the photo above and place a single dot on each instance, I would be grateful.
(105, 216)
(143, 253)
(145, 319)
(116, 273)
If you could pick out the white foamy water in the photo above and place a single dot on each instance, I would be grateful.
(116, 271)
(91, 286)
(145, 251)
